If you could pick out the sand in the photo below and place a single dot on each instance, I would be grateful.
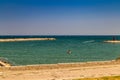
(113, 41)
(63, 71)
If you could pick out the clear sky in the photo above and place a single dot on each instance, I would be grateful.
(59, 17)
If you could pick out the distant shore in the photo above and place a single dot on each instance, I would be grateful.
(25, 39)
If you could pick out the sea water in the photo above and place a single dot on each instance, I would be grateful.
(82, 49)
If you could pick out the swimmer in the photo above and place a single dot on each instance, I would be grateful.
(69, 52)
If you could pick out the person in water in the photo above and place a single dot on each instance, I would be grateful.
(114, 38)
(69, 52)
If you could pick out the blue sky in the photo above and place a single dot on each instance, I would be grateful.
(59, 17)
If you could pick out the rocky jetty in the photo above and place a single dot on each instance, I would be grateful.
(25, 39)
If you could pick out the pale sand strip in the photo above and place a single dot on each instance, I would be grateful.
(113, 41)
(60, 71)
(25, 39)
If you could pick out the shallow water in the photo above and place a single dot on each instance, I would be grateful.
(83, 48)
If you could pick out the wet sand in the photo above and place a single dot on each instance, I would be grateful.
(63, 71)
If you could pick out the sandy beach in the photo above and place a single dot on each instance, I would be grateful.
(61, 71)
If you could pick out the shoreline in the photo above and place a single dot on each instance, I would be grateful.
(25, 39)
(61, 71)
(58, 65)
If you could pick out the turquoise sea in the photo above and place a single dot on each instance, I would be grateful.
(83, 49)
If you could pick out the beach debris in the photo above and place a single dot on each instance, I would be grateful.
(4, 63)
(118, 59)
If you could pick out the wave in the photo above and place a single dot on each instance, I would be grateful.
(90, 41)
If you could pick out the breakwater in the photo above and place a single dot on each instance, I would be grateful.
(25, 39)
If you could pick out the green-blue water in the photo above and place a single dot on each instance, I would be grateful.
(83, 48)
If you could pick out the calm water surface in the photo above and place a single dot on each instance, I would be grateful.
(83, 48)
